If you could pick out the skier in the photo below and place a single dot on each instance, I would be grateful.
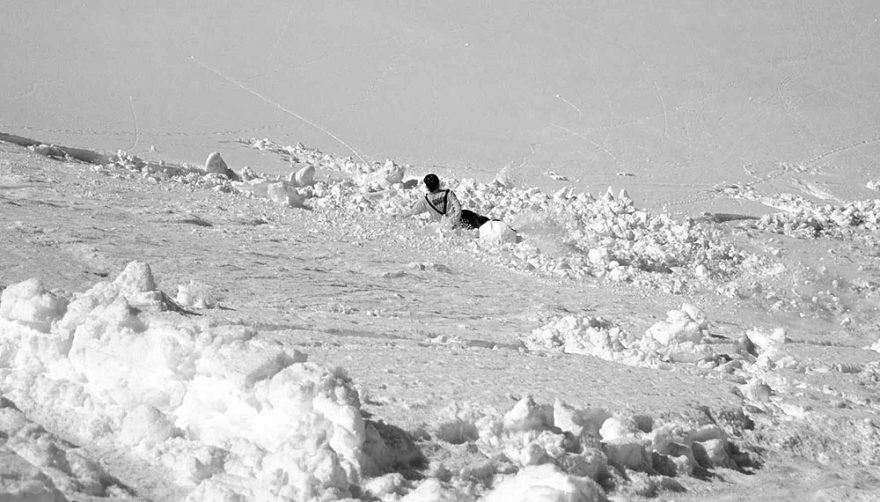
(443, 206)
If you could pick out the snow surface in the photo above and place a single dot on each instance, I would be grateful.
(234, 388)
(687, 309)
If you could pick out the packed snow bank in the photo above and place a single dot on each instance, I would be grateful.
(226, 413)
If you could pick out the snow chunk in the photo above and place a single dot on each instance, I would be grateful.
(685, 325)
(546, 483)
(628, 452)
(497, 231)
(528, 415)
(195, 295)
(304, 177)
(767, 342)
(578, 422)
(28, 303)
(145, 425)
(616, 428)
(284, 195)
(215, 164)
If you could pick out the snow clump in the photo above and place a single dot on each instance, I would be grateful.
(560, 452)
(228, 413)
(803, 218)
(497, 231)
(195, 295)
(680, 338)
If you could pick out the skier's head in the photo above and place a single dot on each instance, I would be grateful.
(432, 182)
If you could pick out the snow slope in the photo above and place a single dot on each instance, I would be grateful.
(170, 334)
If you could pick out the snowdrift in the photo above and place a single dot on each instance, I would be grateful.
(229, 416)
(223, 411)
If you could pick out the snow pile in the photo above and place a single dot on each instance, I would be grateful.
(678, 339)
(604, 237)
(125, 165)
(227, 414)
(802, 218)
(681, 339)
(555, 453)
(809, 220)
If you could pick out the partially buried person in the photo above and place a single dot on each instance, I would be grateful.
(443, 206)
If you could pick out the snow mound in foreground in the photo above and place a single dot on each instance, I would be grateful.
(225, 415)
(224, 412)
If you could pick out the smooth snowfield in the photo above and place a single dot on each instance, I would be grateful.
(669, 98)
(170, 334)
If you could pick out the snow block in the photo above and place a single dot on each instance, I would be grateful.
(527, 415)
(712, 453)
(616, 427)
(195, 295)
(578, 422)
(629, 453)
(29, 304)
(590, 463)
(286, 196)
(391, 173)
(216, 165)
(546, 483)
(305, 176)
(497, 231)
(685, 325)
